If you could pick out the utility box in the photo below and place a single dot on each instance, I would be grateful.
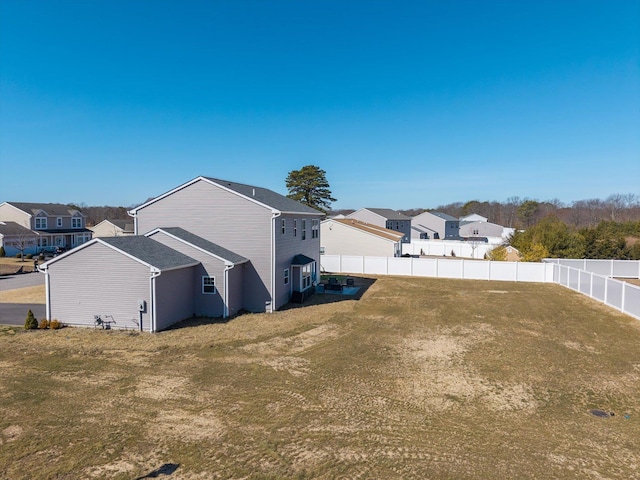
(142, 306)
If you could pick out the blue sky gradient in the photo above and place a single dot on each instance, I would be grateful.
(403, 104)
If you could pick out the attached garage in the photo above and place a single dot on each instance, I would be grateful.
(127, 282)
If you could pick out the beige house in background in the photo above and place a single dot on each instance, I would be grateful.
(113, 228)
(348, 236)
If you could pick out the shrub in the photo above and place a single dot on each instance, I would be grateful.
(44, 323)
(31, 322)
(41, 256)
(18, 255)
(55, 324)
(29, 256)
(2, 252)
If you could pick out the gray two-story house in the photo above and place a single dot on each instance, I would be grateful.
(208, 248)
(385, 218)
(55, 224)
(435, 226)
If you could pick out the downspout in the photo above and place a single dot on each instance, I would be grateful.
(135, 222)
(273, 256)
(46, 290)
(152, 287)
(225, 312)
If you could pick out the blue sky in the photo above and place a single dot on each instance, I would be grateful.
(403, 104)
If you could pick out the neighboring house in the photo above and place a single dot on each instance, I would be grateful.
(56, 225)
(136, 282)
(16, 238)
(349, 236)
(113, 228)
(386, 218)
(480, 229)
(435, 226)
(279, 236)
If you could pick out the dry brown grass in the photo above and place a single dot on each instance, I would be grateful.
(10, 265)
(421, 378)
(34, 294)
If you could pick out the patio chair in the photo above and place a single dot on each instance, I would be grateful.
(350, 282)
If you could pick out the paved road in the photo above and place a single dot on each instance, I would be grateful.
(9, 282)
(16, 313)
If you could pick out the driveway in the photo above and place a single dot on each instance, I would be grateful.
(16, 313)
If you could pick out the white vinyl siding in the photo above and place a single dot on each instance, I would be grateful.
(201, 208)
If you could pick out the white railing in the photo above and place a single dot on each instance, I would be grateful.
(607, 268)
(620, 295)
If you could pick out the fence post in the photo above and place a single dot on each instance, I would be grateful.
(516, 271)
(591, 284)
(462, 267)
(624, 289)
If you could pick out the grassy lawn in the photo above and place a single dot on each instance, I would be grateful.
(420, 378)
(10, 265)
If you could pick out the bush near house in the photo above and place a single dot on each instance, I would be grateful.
(31, 322)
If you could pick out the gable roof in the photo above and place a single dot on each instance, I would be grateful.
(13, 228)
(443, 216)
(195, 240)
(369, 228)
(259, 195)
(125, 225)
(143, 249)
(388, 213)
(301, 260)
(49, 208)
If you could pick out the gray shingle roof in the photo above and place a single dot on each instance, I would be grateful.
(301, 260)
(389, 214)
(50, 208)
(204, 244)
(266, 196)
(150, 251)
(13, 228)
(444, 216)
(125, 225)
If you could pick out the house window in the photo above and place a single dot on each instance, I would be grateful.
(208, 284)
(76, 222)
(286, 276)
(475, 232)
(41, 223)
(59, 222)
(284, 226)
(315, 228)
(304, 229)
(397, 225)
(321, 250)
(306, 276)
(295, 228)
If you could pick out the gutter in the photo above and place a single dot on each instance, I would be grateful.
(274, 215)
(227, 267)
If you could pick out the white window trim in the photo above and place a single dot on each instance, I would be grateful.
(295, 227)
(204, 277)
(74, 220)
(286, 276)
(59, 222)
(304, 229)
(43, 223)
(284, 226)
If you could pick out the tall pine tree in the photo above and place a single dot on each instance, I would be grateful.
(309, 185)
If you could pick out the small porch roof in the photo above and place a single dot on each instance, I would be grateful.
(301, 260)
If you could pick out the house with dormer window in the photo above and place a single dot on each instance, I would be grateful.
(55, 224)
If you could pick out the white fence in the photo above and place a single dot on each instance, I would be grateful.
(439, 268)
(620, 295)
(607, 268)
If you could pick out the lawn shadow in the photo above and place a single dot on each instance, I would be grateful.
(166, 469)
